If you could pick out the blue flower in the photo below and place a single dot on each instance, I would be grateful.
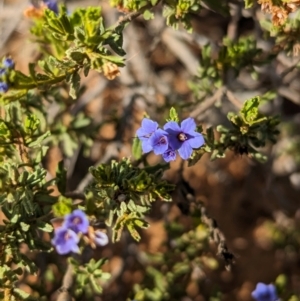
(52, 5)
(159, 141)
(3, 87)
(77, 221)
(144, 133)
(8, 63)
(169, 155)
(65, 241)
(2, 71)
(100, 238)
(264, 292)
(184, 138)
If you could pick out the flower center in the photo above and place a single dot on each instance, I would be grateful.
(162, 140)
(67, 235)
(76, 220)
(266, 296)
(182, 137)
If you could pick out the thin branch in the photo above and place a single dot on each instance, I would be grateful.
(64, 291)
(236, 13)
(290, 68)
(133, 15)
(219, 238)
(233, 99)
(75, 195)
(205, 105)
(180, 49)
(185, 195)
(290, 94)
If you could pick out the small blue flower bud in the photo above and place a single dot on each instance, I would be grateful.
(264, 292)
(3, 87)
(52, 5)
(8, 63)
(100, 238)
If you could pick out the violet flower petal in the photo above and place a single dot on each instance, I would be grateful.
(147, 129)
(172, 125)
(159, 141)
(146, 146)
(188, 126)
(196, 141)
(65, 241)
(185, 150)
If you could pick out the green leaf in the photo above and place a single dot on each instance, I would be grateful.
(105, 276)
(80, 121)
(15, 218)
(39, 140)
(116, 43)
(141, 223)
(74, 82)
(249, 111)
(148, 15)
(173, 116)
(22, 79)
(114, 59)
(96, 286)
(31, 123)
(32, 72)
(131, 206)
(123, 220)
(86, 69)
(25, 227)
(137, 148)
(23, 295)
(281, 282)
(65, 22)
(46, 227)
(45, 67)
(123, 207)
(249, 3)
(62, 207)
(133, 232)
(76, 56)
(41, 154)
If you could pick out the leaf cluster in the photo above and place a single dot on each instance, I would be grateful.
(249, 130)
(176, 12)
(25, 194)
(286, 36)
(233, 56)
(183, 263)
(86, 45)
(89, 277)
(179, 12)
(122, 194)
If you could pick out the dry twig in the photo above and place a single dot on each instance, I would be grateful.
(203, 106)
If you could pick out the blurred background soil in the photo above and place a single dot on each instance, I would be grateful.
(238, 193)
